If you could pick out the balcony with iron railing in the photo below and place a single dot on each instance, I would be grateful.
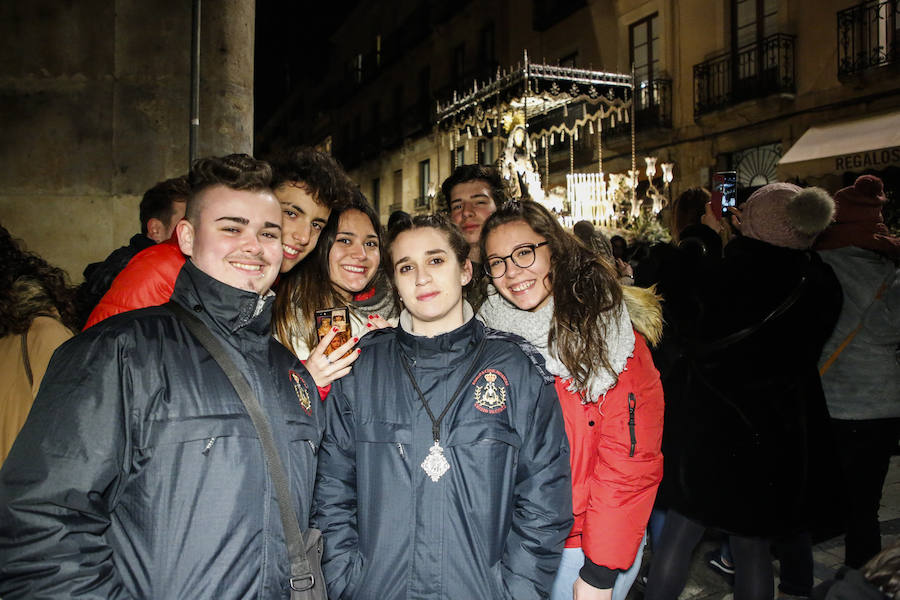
(756, 70)
(868, 37)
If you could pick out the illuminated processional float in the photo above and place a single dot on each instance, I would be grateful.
(529, 109)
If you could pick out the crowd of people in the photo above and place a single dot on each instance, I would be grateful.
(507, 409)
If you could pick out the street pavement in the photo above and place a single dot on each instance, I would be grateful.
(828, 556)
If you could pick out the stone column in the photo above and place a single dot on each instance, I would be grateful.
(94, 109)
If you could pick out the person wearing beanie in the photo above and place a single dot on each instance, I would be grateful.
(860, 371)
(786, 215)
(746, 442)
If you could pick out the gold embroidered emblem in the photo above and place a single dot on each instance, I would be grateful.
(490, 397)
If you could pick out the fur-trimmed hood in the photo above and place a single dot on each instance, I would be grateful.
(645, 309)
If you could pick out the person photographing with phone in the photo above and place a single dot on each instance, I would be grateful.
(746, 446)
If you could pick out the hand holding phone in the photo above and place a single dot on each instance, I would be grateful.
(724, 192)
(334, 356)
(333, 318)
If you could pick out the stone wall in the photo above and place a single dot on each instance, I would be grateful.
(94, 109)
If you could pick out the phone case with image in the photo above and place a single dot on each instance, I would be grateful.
(326, 319)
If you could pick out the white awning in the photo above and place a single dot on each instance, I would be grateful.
(869, 143)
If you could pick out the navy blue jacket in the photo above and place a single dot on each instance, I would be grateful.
(494, 525)
(138, 473)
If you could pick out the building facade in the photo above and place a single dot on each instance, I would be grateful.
(719, 85)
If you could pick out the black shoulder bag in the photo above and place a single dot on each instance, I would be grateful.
(304, 548)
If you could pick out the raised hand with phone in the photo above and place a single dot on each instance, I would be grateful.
(334, 355)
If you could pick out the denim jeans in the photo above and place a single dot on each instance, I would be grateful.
(573, 560)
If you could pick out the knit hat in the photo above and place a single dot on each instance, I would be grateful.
(783, 214)
(858, 220)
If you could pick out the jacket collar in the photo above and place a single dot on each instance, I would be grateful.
(440, 351)
(139, 242)
(227, 308)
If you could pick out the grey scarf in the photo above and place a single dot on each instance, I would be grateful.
(499, 313)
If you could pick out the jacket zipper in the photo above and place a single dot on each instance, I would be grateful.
(631, 405)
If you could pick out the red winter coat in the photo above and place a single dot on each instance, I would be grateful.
(147, 280)
(615, 474)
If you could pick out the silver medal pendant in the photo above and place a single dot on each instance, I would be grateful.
(435, 464)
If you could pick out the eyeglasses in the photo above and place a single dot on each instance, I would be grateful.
(522, 256)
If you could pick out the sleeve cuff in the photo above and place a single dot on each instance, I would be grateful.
(598, 576)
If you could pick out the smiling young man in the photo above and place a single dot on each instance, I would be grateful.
(473, 193)
(309, 184)
(138, 472)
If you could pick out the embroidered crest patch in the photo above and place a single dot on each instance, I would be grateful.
(302, 391)
(490, 391)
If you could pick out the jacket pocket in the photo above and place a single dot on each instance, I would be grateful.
(483, 431)
(204, 430)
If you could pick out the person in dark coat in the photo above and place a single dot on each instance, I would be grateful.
(745, 435)
(444, 470)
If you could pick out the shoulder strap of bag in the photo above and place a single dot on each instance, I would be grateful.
(302, 577)
(843, 345)
(728, 340)
(27, 360)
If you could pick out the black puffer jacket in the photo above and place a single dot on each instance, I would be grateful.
(139, 474)
(493, 526)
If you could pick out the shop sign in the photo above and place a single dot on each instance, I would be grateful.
(873, 159)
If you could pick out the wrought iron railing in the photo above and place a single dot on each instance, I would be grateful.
(868, 36)
(753, 71)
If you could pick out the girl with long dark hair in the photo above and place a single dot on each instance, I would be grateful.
(566, 300)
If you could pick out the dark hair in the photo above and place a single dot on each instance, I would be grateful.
(30, 288)
(158, 201)
(593, 238)
(307, 287)
(584, 287)
(235, 171)
(458, 243)
(687, 209)
(320, 174)
(397, 216)
(466, 173)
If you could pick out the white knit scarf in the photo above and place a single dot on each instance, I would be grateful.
(499, 313)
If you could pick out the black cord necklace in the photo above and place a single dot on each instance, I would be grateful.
(435, 464)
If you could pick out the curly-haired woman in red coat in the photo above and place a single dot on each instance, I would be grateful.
(564, 299)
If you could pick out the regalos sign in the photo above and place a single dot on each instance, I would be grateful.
(872, 159)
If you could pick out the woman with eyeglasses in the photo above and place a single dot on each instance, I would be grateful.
(443, 472)
(566, 300)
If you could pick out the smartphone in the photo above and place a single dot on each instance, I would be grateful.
(326, 319)
(724, 192)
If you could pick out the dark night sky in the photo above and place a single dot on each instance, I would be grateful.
(292, 47)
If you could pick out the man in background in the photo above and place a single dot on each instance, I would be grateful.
(161, 208)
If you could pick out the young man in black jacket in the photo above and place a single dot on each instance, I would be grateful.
(138, 473)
